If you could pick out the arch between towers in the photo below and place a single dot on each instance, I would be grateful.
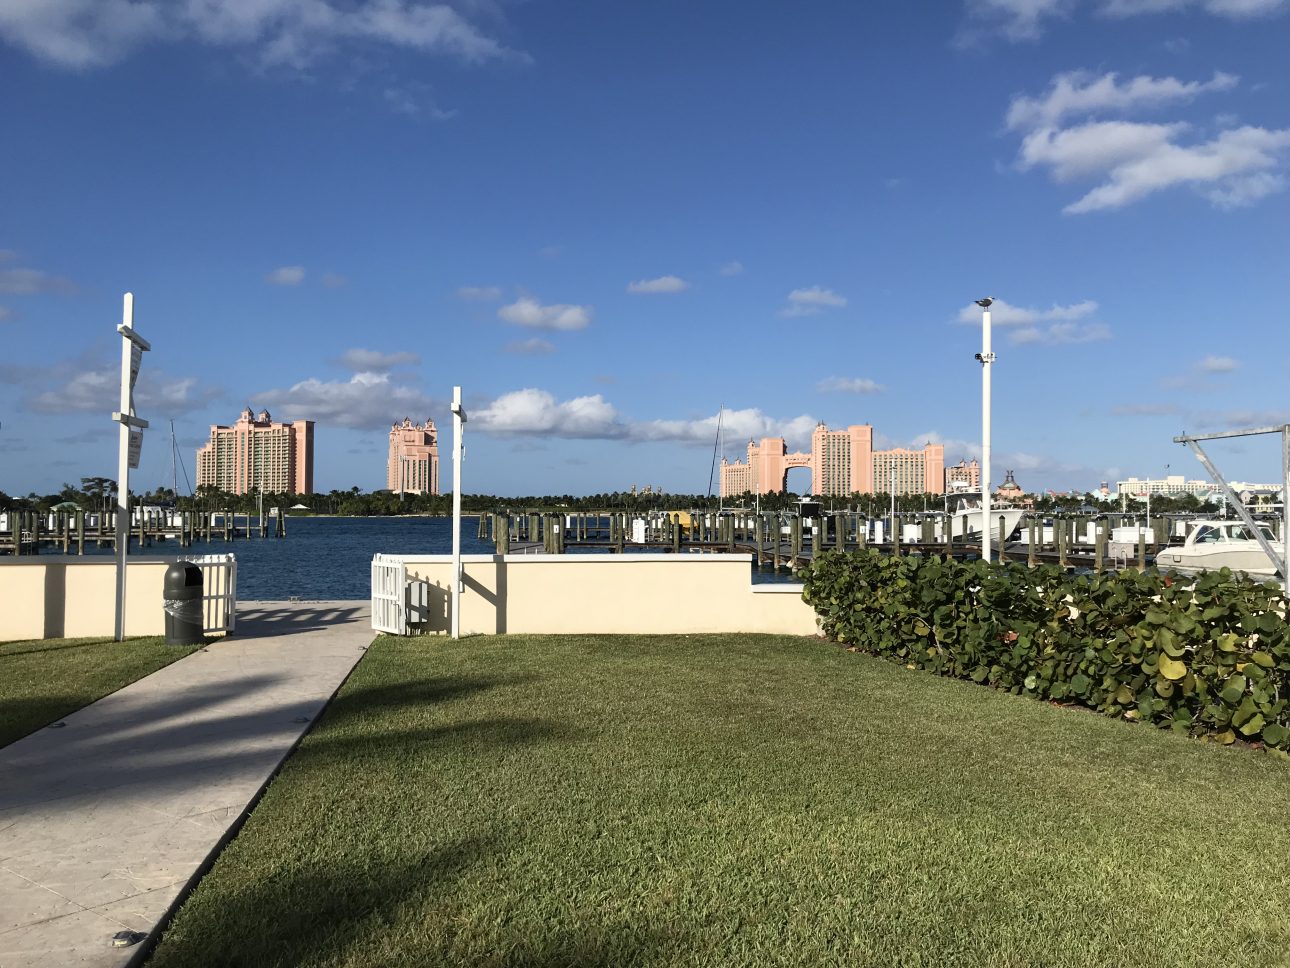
(792, 461)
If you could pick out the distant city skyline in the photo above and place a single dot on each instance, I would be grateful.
(840, 462)
(611, 223)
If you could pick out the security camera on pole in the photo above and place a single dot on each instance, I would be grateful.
(986, 359)
(133, 347)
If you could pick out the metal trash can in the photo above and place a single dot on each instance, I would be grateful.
(182, 593)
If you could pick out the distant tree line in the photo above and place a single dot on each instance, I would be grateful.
(99, 494)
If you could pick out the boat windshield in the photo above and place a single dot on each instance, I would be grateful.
(1208, 533)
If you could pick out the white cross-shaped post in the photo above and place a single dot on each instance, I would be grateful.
(133, 346)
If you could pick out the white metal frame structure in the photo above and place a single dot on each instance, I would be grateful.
(1279, 561)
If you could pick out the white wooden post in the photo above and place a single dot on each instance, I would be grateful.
(133, 347)
(458, 427)
(987, 358)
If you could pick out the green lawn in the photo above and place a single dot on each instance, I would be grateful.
(42, 681)
(736, 800)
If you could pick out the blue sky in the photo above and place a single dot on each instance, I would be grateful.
(606, 220)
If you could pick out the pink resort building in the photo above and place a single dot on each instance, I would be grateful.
(841, 462)
(256, 454)
(413, 465)
(963, 476)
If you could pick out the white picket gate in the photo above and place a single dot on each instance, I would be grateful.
(219, 592)
(389, 601)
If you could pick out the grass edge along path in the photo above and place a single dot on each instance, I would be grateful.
(43, 680)
(735, 800)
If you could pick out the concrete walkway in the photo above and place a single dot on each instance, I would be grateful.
(105, 822)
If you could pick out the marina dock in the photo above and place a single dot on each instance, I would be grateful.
(73, 532)
(788, 541)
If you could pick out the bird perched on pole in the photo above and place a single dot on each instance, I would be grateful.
(986, 302)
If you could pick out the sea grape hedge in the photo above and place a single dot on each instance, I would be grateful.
(1209, 656)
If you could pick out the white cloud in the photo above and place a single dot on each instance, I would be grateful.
(537, 412)
(1061, 333)
(1145, 410)
(20, 281)
(1005, 314)
(1079, 93)
(1234, 9)
(533, 411)
(1018, 19)
(530, 347)
(97, 389)
(1232, 168)
(415, 101)
(661, 284)
(840, 384)
(373, 361)
(732, 268)
(1024, 20)
(479, 293)
(527, 311)
(1095, 147)
(1245, 190)
(1226, 419)
(737, 426)
(1131, 160)
(81, 34)
(809, 301)
(366, 401)
(286, 276)
(1218, 364)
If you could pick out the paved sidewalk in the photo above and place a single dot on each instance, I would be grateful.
(103, 822)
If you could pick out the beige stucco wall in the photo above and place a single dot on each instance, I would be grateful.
(48, 597)
(641, 594)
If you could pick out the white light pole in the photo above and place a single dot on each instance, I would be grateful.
(893, 502)
(987, 361)
(458, 428)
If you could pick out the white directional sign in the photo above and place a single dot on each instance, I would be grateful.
(136, 447)
(136, 359)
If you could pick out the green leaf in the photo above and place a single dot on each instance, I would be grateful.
(1233, 690)
(1252, 725)
(1274, 734)
(1171, 668)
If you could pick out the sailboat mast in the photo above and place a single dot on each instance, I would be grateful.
(716, 444)
(174, 471)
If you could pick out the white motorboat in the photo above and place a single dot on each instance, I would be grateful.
(1214, 544)
(965, 519)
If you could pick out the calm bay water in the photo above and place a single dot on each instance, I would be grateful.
(331, 558)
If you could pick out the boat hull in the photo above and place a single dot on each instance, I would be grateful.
(1192, 561)
(967, 524)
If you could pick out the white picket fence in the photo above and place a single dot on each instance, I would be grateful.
(389, 595)
(219, 592)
